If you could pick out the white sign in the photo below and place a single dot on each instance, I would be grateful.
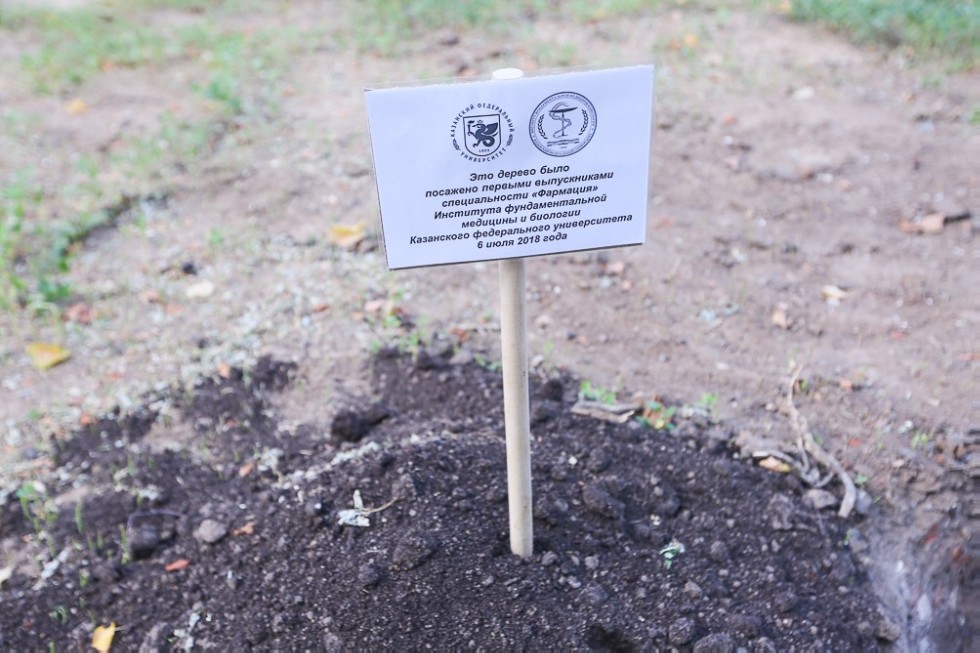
(491, 170)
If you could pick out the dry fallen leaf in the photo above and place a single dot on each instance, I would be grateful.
(80, 313)
(76, 107)
(347, 236)
(780, 319)
(87, 419)
(246, 469)
(774, 464)
(615, 268)
(247, 529)
(833, 294)
(178, 565)
(102, 637)
(224, 370)
(931, 224)
(45, 355)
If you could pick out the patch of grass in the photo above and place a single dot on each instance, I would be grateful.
(390, 26)
(599, 9)
(19, 199)
(76, 45)
(948, 27)
(587, 390)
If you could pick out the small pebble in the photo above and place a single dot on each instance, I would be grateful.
(210, 531)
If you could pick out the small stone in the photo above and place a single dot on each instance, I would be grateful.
(596, 595)
(598, 500)
(888, 628)
(549, 558)
(780, 512)
(553, 390)
(763, 645)
(573, 582)
(718, 552)
(682, 631)
(693, 590)
(370, 575)
(156, 639)
(413, 550)
(856, 541)
(819, 499)
(210, 531)
(142, 540)
(715, 643)
(785, 600)
(863, 502)
(865, 629)
(591, 563)
(746, 625)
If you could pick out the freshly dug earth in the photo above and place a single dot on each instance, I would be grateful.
(202, 520)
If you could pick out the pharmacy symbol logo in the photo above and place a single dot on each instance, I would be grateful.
(563, 124)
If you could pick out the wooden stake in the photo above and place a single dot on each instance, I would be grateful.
(517, 421)
(513, 340)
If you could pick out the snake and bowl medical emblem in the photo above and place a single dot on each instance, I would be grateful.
(563, 123)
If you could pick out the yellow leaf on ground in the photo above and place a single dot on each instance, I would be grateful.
(774, 464)
(347, 236)
(45, 355)
(76, 107)
(102, 637)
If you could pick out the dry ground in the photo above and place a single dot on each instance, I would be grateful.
(785, 160)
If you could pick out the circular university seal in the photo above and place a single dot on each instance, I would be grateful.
(481, 132)
(563, 124)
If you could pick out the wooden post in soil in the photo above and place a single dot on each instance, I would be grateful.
(517, 420)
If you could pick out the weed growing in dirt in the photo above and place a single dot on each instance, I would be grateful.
(920, 440)
(591, 392)
(36, 506)
(19, 197)
(658, 416)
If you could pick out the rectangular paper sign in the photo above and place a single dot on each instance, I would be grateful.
(490, 170)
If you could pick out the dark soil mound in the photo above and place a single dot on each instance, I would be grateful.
(643, 540)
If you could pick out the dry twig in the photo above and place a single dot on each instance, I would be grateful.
(807, 444)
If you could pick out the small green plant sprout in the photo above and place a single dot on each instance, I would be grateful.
(590, 392)
(708, 401)
(37, 508)
(79, 519)
(920, 440)
(860, 479)
(59, 614)
(671, 551)
(658, 416)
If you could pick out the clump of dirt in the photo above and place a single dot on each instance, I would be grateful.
(284, 536)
